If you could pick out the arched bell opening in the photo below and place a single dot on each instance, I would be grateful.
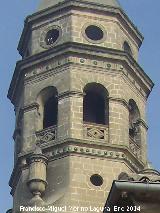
(134, 117)
(95, 104)
(48, 107)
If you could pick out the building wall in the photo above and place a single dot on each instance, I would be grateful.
(69, 183)
(77, 150)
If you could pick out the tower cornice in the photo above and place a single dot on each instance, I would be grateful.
(79, 50)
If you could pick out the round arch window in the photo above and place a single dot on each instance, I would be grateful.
(94, 33)
(96, 180)
(52, 36)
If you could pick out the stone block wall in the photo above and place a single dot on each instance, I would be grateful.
(114, 32)
(76, 149)
(70, 81)
(69, 183)
(82, 192)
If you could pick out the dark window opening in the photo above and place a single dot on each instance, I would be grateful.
(94, 108)
(96, 180)
(95, 104)
(94, 33)
(50, 112)
(127, 48)
(134, 116)
(52, 36)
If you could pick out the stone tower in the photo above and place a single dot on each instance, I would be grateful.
(80, 99)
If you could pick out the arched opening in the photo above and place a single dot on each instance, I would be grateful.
(95, 104)
(48, 107)
(50, 112)
(134, 116)
(127, 48)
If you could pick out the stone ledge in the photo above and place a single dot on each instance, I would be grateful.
(76, 147)
(80, 51)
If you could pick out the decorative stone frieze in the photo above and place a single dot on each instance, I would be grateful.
(110, 153)
(96, 132)
(46, 135)
(56, 63)
(50, 69)
(135, 148)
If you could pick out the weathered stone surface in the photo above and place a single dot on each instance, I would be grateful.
(76, 149)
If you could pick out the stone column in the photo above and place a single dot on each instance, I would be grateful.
(37, 176)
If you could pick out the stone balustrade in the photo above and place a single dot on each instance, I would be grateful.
(96, 131)
(134, 147)
(47, 135)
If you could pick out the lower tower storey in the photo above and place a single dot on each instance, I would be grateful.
(69, 177)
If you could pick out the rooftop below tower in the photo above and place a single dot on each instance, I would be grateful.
(49, 3)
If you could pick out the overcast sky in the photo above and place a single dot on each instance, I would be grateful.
(143, 13)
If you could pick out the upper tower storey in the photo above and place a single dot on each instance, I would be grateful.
(88, 22)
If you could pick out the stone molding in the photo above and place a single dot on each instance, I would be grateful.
(63, 148)
(119, 100)
(143, 123)
(30, 107)
(37, 158)
(71, 149)
(72, 50)
(89, 143)
(70, 94)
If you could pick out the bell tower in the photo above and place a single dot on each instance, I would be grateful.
(80, 100)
